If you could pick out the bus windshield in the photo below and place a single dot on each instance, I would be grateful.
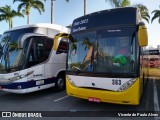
(103, 51)
(11, 57)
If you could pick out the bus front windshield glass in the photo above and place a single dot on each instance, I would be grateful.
(11, 57)
(103, 51)
(80, 52)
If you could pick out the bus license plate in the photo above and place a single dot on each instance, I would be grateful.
(91, 99)
(40, 82)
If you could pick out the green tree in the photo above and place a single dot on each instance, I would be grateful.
(87, 43)
(13, 46)
(26, 5)
(69, 26)
(7, 47)
(7, 14)
(5, 55)
(156, 15)
(144, 11)
(119, 3)
(127, 3)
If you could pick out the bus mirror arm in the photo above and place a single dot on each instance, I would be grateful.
(57, 39)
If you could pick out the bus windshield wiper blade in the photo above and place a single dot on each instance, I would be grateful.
(76, 69)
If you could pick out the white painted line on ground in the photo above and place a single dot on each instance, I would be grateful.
(61, 98)
(73, 110)
(156, 104)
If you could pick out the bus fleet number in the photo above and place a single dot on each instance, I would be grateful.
(84, 21)
(116, 82)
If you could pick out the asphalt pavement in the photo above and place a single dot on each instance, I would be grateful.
(61, 106)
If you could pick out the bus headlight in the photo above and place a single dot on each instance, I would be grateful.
(70, 81)
(126, 85)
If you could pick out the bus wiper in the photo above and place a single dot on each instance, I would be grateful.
(76, 69)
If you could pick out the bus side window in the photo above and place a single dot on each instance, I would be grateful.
(39, 51)
(31, 56)
(63, 45)
(48, 45)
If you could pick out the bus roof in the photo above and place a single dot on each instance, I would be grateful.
(106, 18)
(45, 25)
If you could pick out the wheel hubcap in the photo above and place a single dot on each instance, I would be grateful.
(60, 83)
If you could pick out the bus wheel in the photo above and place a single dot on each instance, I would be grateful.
(60, 83)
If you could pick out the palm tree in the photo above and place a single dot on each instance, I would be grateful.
(52, 10)
(119, 3)
(74, 45)
(69, 26)
(85, 7)
(8, 14)
(7, 48)
(13, 46)
(5, 53)
(26, 5)
(156, 15)
(87, 43)
(143, 11)
(127, 3)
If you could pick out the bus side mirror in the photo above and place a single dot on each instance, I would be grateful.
(56, 43)
(142, 35)
(61, 43)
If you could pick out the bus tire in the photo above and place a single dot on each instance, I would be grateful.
(60, 83)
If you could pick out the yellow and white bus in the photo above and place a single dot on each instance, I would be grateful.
(105, 56)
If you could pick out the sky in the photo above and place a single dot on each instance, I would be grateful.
(66, 12)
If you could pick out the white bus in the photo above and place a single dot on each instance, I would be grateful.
(27, 60)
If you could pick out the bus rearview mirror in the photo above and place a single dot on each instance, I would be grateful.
(58, 38)
(56, 43)
(142, 35)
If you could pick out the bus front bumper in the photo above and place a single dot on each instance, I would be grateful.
(131, 96)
